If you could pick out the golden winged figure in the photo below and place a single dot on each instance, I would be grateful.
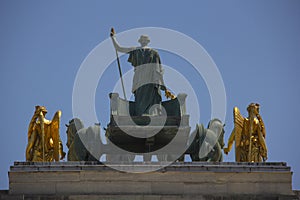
(44, 143)
(249, 136)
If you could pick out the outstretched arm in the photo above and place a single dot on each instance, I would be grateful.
(117, 46)
(230, 142)
(31, 141)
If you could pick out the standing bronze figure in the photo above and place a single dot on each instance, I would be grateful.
(148, 75)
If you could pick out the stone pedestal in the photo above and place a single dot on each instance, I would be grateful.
(178, 181)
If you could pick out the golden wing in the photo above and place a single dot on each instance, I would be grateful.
(54, 127)
(238, 125)
(31, 138)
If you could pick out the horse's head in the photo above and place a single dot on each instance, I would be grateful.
(217, 127)
(72, 128)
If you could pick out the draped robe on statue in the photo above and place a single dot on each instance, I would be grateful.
(147, 80)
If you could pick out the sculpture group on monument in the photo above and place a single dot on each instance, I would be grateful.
(148, 134)
(207, 144)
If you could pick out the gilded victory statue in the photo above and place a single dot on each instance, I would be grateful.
(44, 143)
(249, 135)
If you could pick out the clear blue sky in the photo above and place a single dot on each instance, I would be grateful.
(255, 44)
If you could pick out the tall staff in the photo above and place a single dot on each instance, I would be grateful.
(112, 33)
(251, 119)
(41, 118)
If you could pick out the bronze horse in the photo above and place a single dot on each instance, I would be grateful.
(84, 143)
(208, 143)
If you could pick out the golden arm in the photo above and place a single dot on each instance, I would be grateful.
(230, 142)
(31, 141)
